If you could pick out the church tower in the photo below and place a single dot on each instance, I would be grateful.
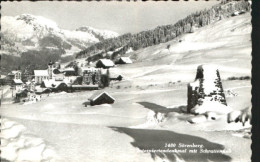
(50, 69)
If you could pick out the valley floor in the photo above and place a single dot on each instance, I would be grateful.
(125, 129)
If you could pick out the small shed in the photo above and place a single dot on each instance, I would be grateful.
(99, 98)
(105, 63)
(124, 60)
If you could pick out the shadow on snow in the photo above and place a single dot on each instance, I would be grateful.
(149, 139)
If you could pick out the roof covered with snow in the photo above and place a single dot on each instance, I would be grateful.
(127, 60)
(97, 94)
(52, 83)
(107, 62)
(18, 81)
(68, 69)
(89, 69)
(41, 73)
(15, 71)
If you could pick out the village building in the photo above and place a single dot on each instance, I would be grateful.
(17, 84)
(23, 93)
(104, 63)
(40, 75)
(99, 98)
(55, 86)
(87, 70)
(57, 65)
(15, 74)
(114, 75)
(58, 77)
(124, 60)
(30, 85)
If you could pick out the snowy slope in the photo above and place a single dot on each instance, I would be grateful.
(28, 32)
(225, 43)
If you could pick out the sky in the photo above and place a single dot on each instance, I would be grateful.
(121, 17)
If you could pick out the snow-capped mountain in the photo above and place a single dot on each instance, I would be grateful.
(101, 34)
(28, 32)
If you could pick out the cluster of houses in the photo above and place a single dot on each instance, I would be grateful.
(107, 63)
(57, 79)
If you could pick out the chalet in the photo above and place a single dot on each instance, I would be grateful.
(124, 60)
(40, 75)
(104, 63)
(99, 98)
(17, 84)
(16, 74)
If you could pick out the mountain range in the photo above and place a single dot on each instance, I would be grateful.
(28, 32)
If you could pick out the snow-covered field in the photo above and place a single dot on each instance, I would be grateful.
(149, 112)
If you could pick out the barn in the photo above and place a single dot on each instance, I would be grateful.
(99, 98)
(104, 63)
(124, 60)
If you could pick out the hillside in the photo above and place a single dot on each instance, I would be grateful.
(225, 43)
(162, 34)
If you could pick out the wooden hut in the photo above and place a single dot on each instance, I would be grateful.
(99, 98)
(104, 63)
(124, 60)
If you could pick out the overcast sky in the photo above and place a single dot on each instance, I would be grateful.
(121, 17)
